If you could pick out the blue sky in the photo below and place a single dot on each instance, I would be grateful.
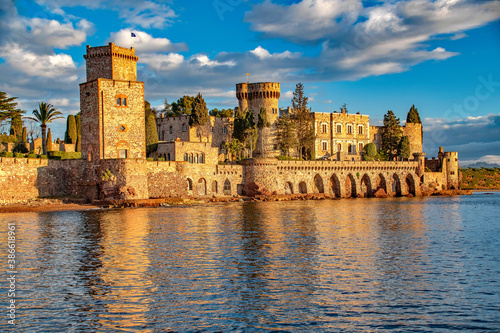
(443, 56)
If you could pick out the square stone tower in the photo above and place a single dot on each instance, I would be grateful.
(112, 105)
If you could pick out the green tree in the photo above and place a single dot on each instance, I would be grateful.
(8, 107)
(304, 122)
(78, 146)
(286, 134)
(262, 124)
(413, 116)
(199, 116)
(224, 113)
(49, 141)
(25, 135)
(16, 123)
(151, 131)
(45, 114)
(234, 147)
(71, 130)
(391, 135)
(404, 147)
(182, 106)
(371, 149)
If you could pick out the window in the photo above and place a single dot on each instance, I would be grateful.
(211, 129)
(184, 127)
(224, 130)
(360, 145)
(324, 145)
(323, 128)
(162, 135)
(122, 128)
(124, 101)
(339, 128)
(227, 187)
(119, 101)
(190, 158)
(122, 153)
(201, 160)
(170, 129)
(349, 129)
(339, 147)
(360, 130)
(190, 185)
(186, 157)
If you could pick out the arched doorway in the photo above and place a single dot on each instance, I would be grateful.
(335, 185)
(190, 185)
(202, 186)
(214, 187)
(396, 185)
(288, 188)
(366, 186)
(350, 187)
(410, 184)
(302, 187)
(318, 184)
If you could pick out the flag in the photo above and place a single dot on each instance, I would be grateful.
(248, 74)
(132, 34)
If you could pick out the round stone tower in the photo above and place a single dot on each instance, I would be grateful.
(254, 96)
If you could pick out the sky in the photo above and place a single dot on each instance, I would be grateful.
(441, 56)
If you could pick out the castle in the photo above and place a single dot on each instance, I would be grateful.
(114, 164)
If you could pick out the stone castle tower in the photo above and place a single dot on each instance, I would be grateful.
(254, 96)
(449, 163)
(112, 105)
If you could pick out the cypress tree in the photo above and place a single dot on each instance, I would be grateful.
(49, 141)
(78, 120)
(199, 112)
(286, 134)
(413, 116)
(404, 147)
(17, 124)
(71, 129)
(151, 132)
(304, 121)
(25, 134)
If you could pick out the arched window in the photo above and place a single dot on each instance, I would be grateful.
(202, 159)
(227, 187)
(195, 158)
(171, 129)
(184, 127)
(224, 130)
(168, 157)
(339, 147)
(186, 157)
(190, 158)
(190, 184)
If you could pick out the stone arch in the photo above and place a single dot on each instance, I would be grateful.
(410, 184)
(396, 185)
(366, 186)
(350, 187)
(318, 184)
(335, 186)
(168, 157)
(202, 186)
(288, 188)
(380, 183)
(227, 187)
(302, 187)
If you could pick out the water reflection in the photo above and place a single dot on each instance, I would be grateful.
(348, 265)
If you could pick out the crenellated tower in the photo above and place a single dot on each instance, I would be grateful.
(254, 96)
(112, 105)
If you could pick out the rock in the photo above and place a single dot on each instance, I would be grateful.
(380, 193)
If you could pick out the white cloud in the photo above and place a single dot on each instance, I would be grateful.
(147, 14)
(52, 33)
(162, 62)
(288, 94)
(33, 64)
(144, 42)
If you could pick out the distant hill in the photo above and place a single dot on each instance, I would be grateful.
(483, 165)
(480, 178)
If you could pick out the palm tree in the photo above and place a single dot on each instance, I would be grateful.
(45, 114)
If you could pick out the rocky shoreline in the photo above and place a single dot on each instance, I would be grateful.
(68, 204)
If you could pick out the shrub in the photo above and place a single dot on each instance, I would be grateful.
(32, 156)
(64, 155)
(18, 155)
(427, 169)
(43, 157)
(20, 147)
(150, 159)
(6, 154)
(161, 159)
